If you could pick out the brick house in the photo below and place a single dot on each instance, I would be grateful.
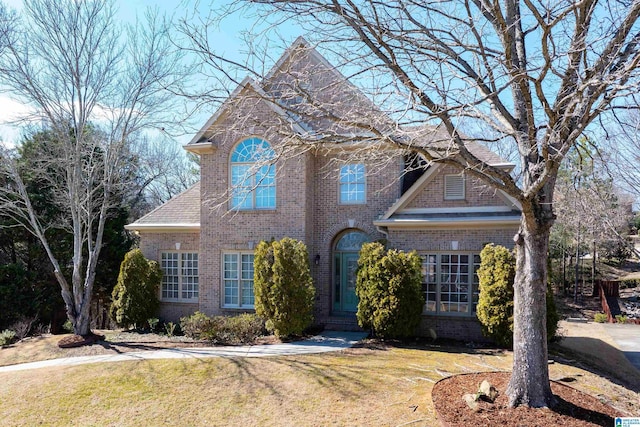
(328, 197)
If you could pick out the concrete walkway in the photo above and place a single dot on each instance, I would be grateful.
(326, 342)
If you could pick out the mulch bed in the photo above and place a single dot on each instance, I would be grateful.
(79, 340)
(574, 408)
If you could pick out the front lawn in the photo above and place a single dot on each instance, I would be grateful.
(375, 385)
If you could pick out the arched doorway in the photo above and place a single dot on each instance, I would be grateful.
(345, 263)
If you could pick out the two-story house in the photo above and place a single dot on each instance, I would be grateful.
(261, 179)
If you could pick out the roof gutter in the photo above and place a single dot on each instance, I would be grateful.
(166, 228)
(436, 223)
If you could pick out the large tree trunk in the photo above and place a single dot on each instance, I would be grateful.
(529, 384)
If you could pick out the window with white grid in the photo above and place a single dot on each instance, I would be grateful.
(237, 280)
(450, 283)
(190, 275)
(179, 276)
(352, 184)
(253, 177)
(170, 277)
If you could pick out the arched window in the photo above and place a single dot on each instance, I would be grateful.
(253, 183)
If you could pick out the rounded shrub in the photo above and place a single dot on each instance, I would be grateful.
(244, 328)
(283, 287)
(389, 288)
(135, 297)
(495, 304)
(600, 318)
(195, 325)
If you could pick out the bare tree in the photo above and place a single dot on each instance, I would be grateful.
(590, 209)
(165, 170)
(622, 145)
(536, 72)
(6, 25)
(94, 85)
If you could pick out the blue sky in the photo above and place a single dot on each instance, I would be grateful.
(228, 40)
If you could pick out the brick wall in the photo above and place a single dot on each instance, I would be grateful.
(331, 218)
(440, 240)
(225, 230)
(457, 328)
(477, 193)
(173, 311)
(151, 244)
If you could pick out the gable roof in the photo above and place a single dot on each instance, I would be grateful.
(300, 64)
(180, 213)
(200, 141)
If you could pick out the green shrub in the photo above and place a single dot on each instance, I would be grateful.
(241, 329)
(7, 337)
(388, 286)
(620, 318)
(153, 323)
(283, 287)
(68, 326)
(135, 296)
(600, 318)
(244, 328)
(170, 329)
(495, 304)
(195, 325)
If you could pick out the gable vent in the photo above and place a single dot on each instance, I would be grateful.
(454, 187)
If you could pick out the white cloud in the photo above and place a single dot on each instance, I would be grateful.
(10, 112)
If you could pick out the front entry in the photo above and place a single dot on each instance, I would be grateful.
(346, 254)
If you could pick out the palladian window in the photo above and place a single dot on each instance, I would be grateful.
(253, 183)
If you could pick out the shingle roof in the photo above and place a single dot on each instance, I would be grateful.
(181, 211)
(438, 139)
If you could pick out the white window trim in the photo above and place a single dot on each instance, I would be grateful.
(357, 202)
(239, 253)
(180, 278)
(438, 301)
(457, 181)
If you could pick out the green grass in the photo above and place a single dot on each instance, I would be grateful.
(385, 386)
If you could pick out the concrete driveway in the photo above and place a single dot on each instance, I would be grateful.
(614, 347)
(627, 339)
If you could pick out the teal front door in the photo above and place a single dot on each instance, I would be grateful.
(346, 254)
(348, 282)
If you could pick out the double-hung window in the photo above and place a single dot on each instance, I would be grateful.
(352, 184)
(237, 279)
(179, 276)
(450, 283)
(253, 182)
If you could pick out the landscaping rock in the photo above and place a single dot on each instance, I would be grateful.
(488, 392)
(471, 400)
